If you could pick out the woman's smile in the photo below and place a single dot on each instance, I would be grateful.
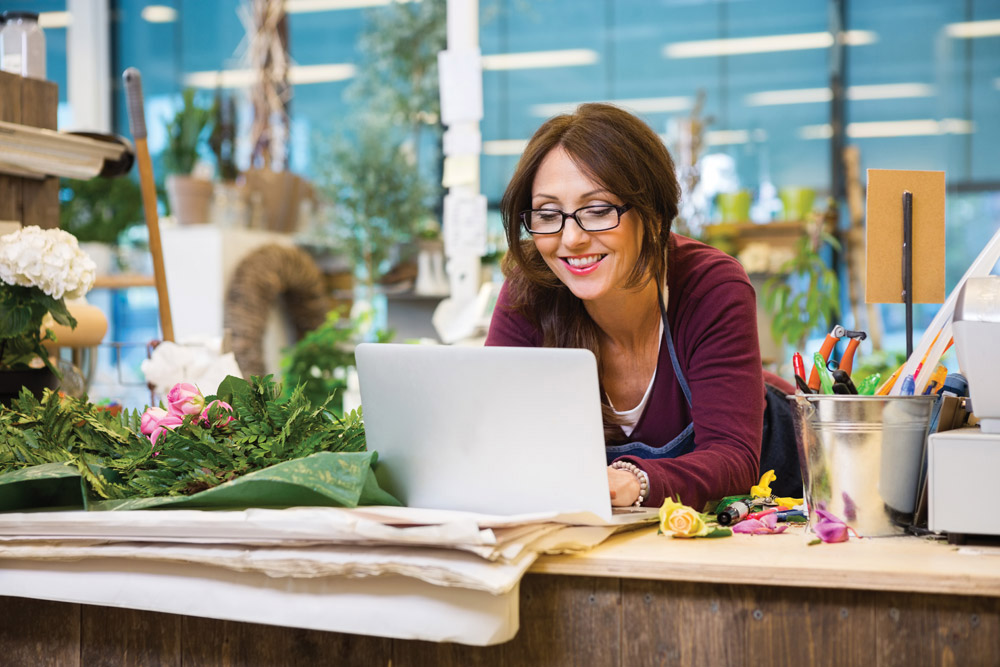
(582, 265)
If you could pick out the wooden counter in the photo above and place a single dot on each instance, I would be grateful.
(639, 599)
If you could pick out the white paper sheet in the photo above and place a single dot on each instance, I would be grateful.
(389, 606)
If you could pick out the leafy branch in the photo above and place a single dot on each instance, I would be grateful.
(118, 462)
(806, 291)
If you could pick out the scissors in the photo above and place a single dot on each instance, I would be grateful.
(847, 360)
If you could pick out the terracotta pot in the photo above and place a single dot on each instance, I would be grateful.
(36, 380)
(190, 198)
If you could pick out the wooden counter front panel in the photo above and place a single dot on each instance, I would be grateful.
(565, 620)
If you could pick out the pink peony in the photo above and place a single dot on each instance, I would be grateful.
(185, 399)
(220, 407)
(170, 421)
(151, 418)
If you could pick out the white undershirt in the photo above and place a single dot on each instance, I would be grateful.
(631, 417)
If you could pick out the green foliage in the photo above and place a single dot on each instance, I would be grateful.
(100, 209)
(379, 197)
(804, 295)
(398, 78)
(195, 456)
(318, 362)
(381, 187)
(185, 134)
(21, 334)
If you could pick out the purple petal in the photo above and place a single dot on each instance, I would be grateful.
(830, 531)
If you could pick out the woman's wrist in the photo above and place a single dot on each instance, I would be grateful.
(640, 476)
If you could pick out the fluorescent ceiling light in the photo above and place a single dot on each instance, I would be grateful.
(504, 146)
(244, 78)
(973, 29)
(638, 105)
(764, 44)
(306, 6)
(812, 95)
(158, 14)
(893, 128)
(797, 96)
(48, 20)
(888, 91)
(726, 137)
(539, 59)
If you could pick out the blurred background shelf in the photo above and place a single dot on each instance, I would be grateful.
(123, 281)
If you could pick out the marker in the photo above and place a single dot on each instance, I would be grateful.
(869, 384)
(734, 512)
(799, 368)
(819, 365)
(791, 515)
(908, 385)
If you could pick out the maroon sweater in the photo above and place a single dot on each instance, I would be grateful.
(712, 314)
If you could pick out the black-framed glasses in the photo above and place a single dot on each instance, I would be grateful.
(598, 218)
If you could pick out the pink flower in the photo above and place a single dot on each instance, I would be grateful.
(151, 418)
(220, 408)
(829, 528)
(185, 399)
(765, 525)
(170, 421)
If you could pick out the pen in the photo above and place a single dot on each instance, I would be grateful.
(907, 388)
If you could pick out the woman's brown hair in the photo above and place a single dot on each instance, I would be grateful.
(624, 155)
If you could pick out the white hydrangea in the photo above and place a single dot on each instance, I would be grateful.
(49, 259)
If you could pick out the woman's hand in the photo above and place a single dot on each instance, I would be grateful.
(624, 487)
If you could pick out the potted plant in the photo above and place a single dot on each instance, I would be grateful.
(39, 269)
(377, 201)
(190, 197)
(96, 212)
(806, 292)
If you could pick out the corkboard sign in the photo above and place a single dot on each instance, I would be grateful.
(884, 253)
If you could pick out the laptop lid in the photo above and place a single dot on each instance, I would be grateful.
(494, 430)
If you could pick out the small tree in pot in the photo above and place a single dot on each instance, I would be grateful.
(189, 197)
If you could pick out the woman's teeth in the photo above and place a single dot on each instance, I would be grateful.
(580, 262)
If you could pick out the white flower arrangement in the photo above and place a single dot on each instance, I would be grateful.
(39, 268)
(49, 259)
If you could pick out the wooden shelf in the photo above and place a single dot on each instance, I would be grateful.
(124, 280)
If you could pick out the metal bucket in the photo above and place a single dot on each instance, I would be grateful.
(861, 456)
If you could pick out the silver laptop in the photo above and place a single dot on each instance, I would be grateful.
(492, 430)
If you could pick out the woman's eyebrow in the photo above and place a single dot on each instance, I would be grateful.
(583, 196)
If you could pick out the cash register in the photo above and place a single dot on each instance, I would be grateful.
(963, 465)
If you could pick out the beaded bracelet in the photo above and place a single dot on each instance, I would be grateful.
(640, 475)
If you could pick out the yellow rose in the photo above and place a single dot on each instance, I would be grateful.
(678, 520)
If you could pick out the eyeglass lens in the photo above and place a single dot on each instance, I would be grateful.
(590, 218)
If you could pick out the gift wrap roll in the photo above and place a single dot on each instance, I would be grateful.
(91, 325)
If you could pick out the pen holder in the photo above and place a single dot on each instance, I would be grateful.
(860, 457)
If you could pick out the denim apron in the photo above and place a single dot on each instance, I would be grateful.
(778, 448)
(684, 442)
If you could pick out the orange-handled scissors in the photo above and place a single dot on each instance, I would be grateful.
(847, 360)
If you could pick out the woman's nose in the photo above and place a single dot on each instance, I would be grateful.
(573, 235)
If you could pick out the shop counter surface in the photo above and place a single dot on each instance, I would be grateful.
(903, 563)
(638, 599)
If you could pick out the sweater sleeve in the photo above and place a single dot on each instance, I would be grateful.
(718, 351)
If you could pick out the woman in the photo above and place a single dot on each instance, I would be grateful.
(671, 321)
